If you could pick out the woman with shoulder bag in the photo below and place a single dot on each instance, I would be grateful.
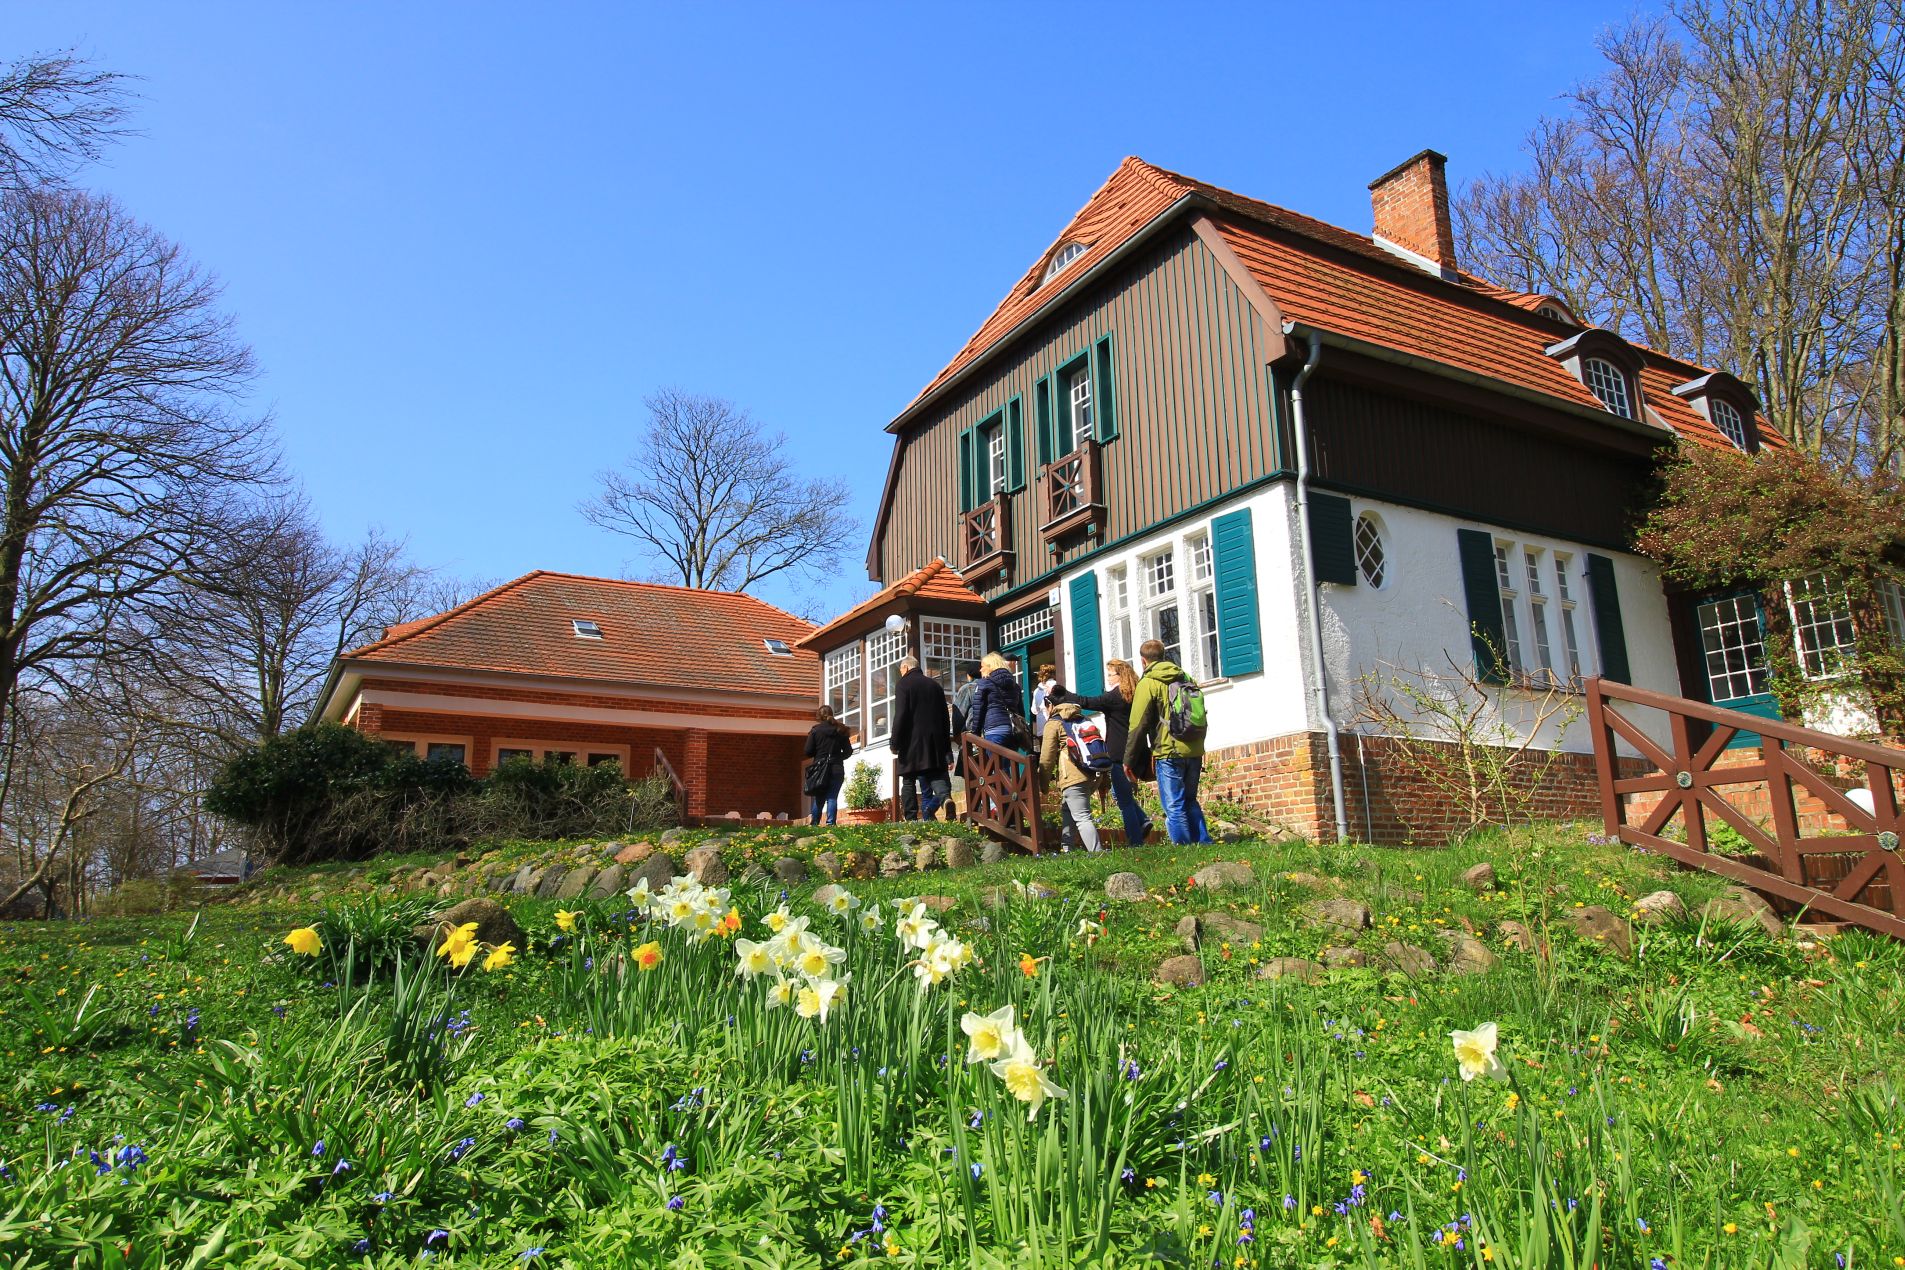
(828, 748)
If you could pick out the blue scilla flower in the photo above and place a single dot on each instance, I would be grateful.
(435, 1236)
(1220, 1064)
(977, 1169)
(1129, 1175)
(462, 1148)
(341, 1167)
(514, 1124)
(361, 1247)
(1131, 1070)
(1289, 1202)
(1217, 1198)
(317, 1152)
(46, 1106)
(675, 1203)
(529, 1254)
(472, 1100)
(554, 1137)
(382, 1197)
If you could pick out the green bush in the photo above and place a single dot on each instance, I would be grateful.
(863, 787)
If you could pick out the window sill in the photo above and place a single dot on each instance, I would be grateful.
(1220, 684)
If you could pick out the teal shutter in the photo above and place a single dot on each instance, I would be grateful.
(1332, 539)
(1042, 408)
(1014, 446)
(1087, 650)
(966, 502)
(1103, 394)
(1234, 558)
(1486, 638)
(1609, 630)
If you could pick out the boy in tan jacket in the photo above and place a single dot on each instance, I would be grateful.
(1074, 782)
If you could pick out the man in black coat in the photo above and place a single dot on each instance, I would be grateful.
(922, 742)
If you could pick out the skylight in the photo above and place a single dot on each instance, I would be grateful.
(585, 629)
(778, 647)
(1062, 257)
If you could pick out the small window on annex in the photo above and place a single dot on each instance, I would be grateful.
(1372, 559)
(945, 645)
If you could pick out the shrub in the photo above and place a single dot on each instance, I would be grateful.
(863, 787)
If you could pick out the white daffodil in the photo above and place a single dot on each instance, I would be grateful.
(870, 919)
(842, 902)
(916, 928)
(640, 898)
(782, 993)
(1025, 1079)
(776, 921)
(816, 959)
(1475, 1053)
(819, 997)
(1088, 929)
(755, 959)
(990, 1036)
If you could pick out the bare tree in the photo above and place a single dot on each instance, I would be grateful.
(715, 499)
(65, 751)
(56, 111)
(119, 446)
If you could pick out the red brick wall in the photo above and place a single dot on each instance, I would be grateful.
(597, 701)
(750, 773)
(1412, 209)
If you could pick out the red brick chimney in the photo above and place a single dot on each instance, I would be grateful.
(1411, 202)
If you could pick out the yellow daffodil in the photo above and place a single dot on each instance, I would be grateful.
(462, 937)
(1475, 1053)
(463, 954)
(1025, 1079)
(499, 956)
(755, 958)
(990, 1036)
(648, 956)
(819, 997)
(565, 920)
(304, 941)
(782, 993)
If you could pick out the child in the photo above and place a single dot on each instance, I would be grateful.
(1075, 783)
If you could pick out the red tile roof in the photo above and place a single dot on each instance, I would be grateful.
(1327, 277)
(665, 636)
(936, 581)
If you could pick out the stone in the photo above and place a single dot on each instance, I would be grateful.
(1222, 928)
(1127, 887)
(1036, 890)
(829, 863)
(575, 882)
(991, 852)
(1186, 932)
(959, 853)
(936, 903)
(906, 842)
(494, 925)
(1467, 955)
(1183, 971)
(1225, 875)
(1347, 915)
(527, 879)
(1516, 935)
(752, 874)
(791, 872)
(1310, 881)
(895, 864)
(1743, 907)
(862, 866)
(443, 867)
(1302, 969)
(1479, 877)
(551, 882)
(1407, 959)
(1344, 958)
(634, 853)
(446, 890)
(608, 882)
(706, 866)
(1658, 907)
(1599, 926)
(657, 870)
(673, 834)
(925, 857)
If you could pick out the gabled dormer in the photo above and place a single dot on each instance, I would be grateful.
(1727, 404)
(1609, 366)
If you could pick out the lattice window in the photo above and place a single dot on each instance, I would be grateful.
(1564, 602)
(1607, 382)
(1079, 393)
(1162, 621)
(1511, 609)
(843, 685)
(1371, 559)
(1735, 648)
(1543, 666)
(1726, 417)
(885, 651)
(946, 645)
(1822, 626)
(995, 461)
(1118, 591)
(1025, 626)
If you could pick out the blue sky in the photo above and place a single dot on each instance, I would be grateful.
(466, 240)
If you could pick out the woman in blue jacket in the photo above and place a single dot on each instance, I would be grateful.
(994, 701)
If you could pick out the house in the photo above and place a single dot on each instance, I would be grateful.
(708, 687)
(1296, 455)
(228, 867)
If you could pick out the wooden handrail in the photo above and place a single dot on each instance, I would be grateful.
(1865, 751)
(676, 790)
(1069, 492)
(1002, 790)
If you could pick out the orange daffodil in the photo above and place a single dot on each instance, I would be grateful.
(304, 941)
(648, 956)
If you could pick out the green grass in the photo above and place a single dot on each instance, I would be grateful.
(1722, 1099)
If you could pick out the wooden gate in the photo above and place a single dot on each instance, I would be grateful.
(1002, 795)
(1855, 875)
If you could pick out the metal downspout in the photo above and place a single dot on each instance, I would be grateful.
(1319, 670)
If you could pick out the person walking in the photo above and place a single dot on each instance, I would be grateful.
(922, 742)
(1114, 708)
(962, 699)
(994, 701)
(1044, 682)
(1179, 759)
(1075, 783)
(828, 748)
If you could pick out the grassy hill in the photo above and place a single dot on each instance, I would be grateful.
(1675, 1090)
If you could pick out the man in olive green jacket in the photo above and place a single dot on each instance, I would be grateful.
(1180, 761)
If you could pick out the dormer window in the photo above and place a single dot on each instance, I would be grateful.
(585, 629)
(1727, 404)
(1549, 311)
(1608, 382)
(1726, 417)
(1066, 253)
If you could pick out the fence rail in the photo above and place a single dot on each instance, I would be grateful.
(1002, 790)
(676, 790)
(1856, 875)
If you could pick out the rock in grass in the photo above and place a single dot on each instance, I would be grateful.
(826, 895)
(862, 866)
(575, 882)
(551, 882)
(925, 857)
(895, 864)
(1126, 887)
(1658, 907)
(634, 854)
(1344, 958)
(1743, 907)
(791, 872)
(608, 882)
(673, 834)
(1301, 969)
(959, 854)
(1216, 928)
(1183, 971)
(1479, 877)
(1467, 955)
(1597, 925)
(1516, 935)
(991, 852)
(1407, 959)
(1225, 875)
(494, 925)
(828, 863)
(936, 903)
(706, 865)
(1310, 881)
(1345, 915)
(658, 870)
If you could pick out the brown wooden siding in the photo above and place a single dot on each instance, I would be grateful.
(1192, 405)
(1387, 445)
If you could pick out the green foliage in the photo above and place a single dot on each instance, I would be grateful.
(863, 787)
(288, 789)
(366, 937)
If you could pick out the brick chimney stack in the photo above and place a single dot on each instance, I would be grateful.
(1411, 202)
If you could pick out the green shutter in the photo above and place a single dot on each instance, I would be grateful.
(1103, 394)
(1608, 627)
(1234, 557)
(1332, 539)
(1014, 446)
(1484, 598)
(966, 486)
(1042, 408)
(1087, 652)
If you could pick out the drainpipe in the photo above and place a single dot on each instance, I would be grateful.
(1319, 670)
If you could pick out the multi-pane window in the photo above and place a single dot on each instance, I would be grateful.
(843, 685)
(1726, 417)
(1892, 598)
(1734, 645)
(1607, 382)
(995, 461)
(1511, 610)
(885, 651)
(1118, 588)
(1371, 559)
(1060, 258)
(1161, 620)
(1542, 668)
(1025, 626)
(1564, 603)
(1078, 394)
(1822, 626)
(946, 645)
(1204, 661)
(446, 751)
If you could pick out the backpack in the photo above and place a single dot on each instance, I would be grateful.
(1086, 744)
(1184, 716)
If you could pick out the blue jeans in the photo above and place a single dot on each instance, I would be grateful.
(1177, 790)
(829, 803)
(1136, 823)
(999, 736)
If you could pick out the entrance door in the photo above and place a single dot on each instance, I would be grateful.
(1733, 644)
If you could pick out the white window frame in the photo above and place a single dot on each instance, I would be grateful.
(539, 751)
(1610, 384)
(946, 643)
(1818, 606)
(1158, 573)
(1727, 418)
(841, 686)
(1369, 546)
(885, 650)
(1026, 626)
(1118, 608)
(1541, 669)
(420, 743)
(1079, 405)
(1510, 596)
(995, 460)
(1062, 257)
(1565, 609)
(1892, 601)
(585, 628)
(1206, 655)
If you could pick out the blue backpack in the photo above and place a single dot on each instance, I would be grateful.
(1086, 744)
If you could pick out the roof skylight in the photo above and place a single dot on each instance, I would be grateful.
(1062, 257)
(778, 647)
(585, 629)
